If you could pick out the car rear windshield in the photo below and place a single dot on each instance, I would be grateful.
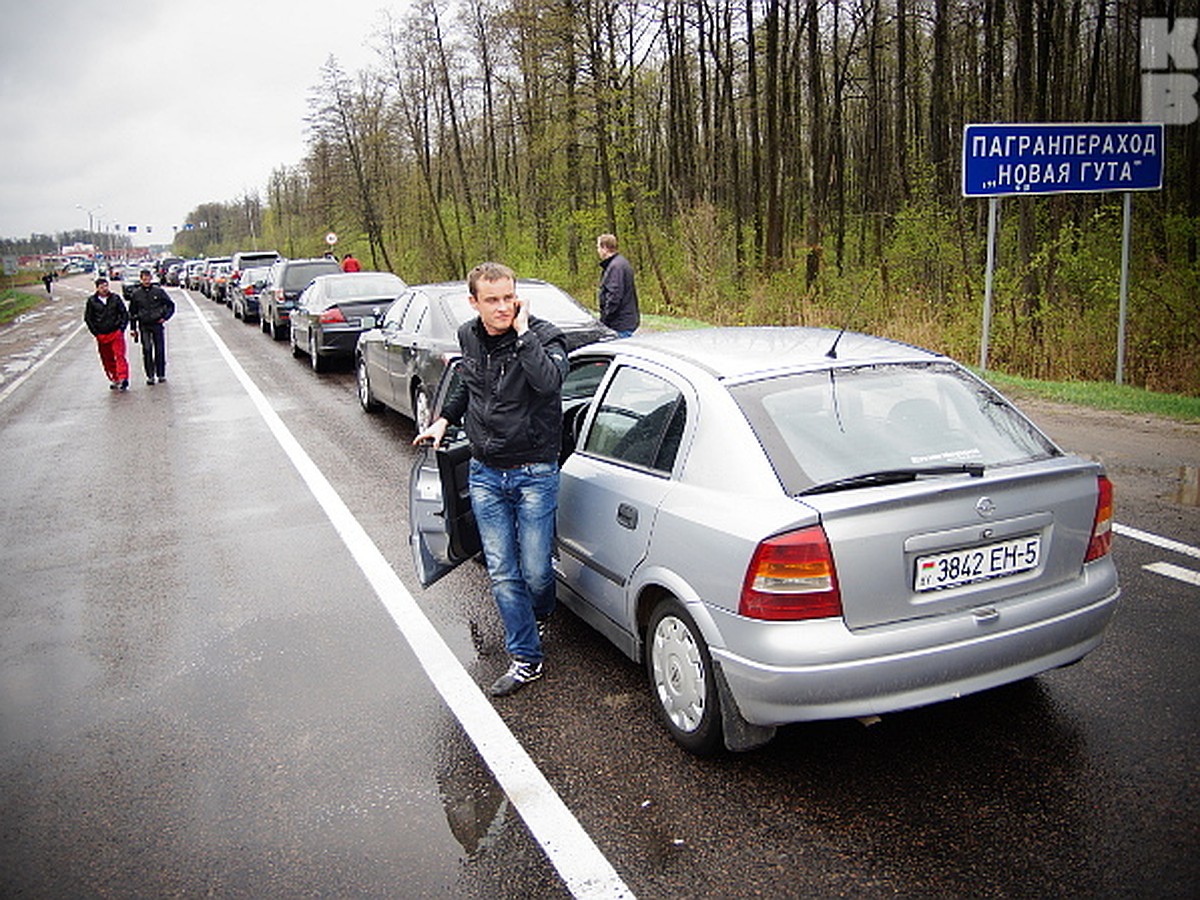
(249, 260)
(298, 275)
(379, 284)
(821, 427)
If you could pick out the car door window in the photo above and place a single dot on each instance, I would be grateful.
(395, 313)
(639, 422)
(414, 316)
(578, 388)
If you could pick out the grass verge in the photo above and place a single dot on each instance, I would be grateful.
(14, 302)
(1100, 395)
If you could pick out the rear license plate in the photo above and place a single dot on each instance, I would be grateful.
(944, 570)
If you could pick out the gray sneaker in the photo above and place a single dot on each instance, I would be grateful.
(519, 674)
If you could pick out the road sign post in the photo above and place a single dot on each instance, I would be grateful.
(1023, 159)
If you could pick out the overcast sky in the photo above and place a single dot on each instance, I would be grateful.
(143, 109)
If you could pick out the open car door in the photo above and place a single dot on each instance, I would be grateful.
(442, 530)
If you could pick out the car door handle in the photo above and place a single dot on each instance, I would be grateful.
(627, 516)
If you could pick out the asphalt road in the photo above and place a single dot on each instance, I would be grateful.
(201, 691)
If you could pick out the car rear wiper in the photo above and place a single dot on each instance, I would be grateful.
(892, 476)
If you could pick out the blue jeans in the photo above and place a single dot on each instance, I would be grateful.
(515, 509)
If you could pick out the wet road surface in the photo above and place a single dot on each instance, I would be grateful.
(200, 694)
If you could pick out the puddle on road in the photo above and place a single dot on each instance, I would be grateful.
(1187, 493)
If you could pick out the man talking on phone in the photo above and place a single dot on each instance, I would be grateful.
(510, 398)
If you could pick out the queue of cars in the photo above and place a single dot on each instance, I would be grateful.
(780, 524)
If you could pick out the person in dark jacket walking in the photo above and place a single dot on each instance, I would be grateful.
(510, 397)
(105, 315)
(617, 293)
(149, 309)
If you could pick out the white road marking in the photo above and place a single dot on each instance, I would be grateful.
(1156, 540)
(579, 862)
(1179, 573)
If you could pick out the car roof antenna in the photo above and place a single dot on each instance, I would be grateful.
(831, 353)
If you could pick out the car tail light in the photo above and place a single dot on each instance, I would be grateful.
(1101, 542)
(792, 576)
(332, 316)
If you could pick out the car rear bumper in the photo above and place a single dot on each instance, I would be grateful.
(914, 664)
(338, 340)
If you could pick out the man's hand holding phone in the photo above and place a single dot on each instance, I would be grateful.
(521, 320)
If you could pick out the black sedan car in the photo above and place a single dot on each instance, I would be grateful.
(335, 309)
(400, 363)
(243, 295)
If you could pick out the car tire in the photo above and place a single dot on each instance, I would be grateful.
(680, 670)
(319, 364)
(365, 398)
(264, 323)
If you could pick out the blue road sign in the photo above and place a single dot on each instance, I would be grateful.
(1001, 160)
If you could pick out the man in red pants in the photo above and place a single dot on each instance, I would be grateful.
(106, 318)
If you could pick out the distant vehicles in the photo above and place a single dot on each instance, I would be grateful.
(245, 290)
(206, 278)
(218, 282)
(194, 274)
(162, 269)
(288, 278)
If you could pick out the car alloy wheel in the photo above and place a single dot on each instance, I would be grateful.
(422, 408)
(680, 670)
(365, 400)
(318, 363)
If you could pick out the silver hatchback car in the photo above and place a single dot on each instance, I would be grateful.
(790, 524)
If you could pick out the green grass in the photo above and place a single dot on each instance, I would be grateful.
(14, 302)
(1100, 395)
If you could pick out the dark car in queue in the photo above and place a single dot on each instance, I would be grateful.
(193, 275)
(208, 272)
(219, 277)
(334, 310)
(287, 280)
(244, 292)
(399, 363)
(162, 269)
(785, 525)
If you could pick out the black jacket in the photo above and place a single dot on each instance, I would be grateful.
(510, 393)
(105, 317)
(617, 295)
(149, 304)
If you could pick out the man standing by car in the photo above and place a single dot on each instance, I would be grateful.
(350, 263)
(149, 309)
(510, 395)
(617, 293)
(105, 315)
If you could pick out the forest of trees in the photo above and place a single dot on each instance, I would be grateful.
(762, 161)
